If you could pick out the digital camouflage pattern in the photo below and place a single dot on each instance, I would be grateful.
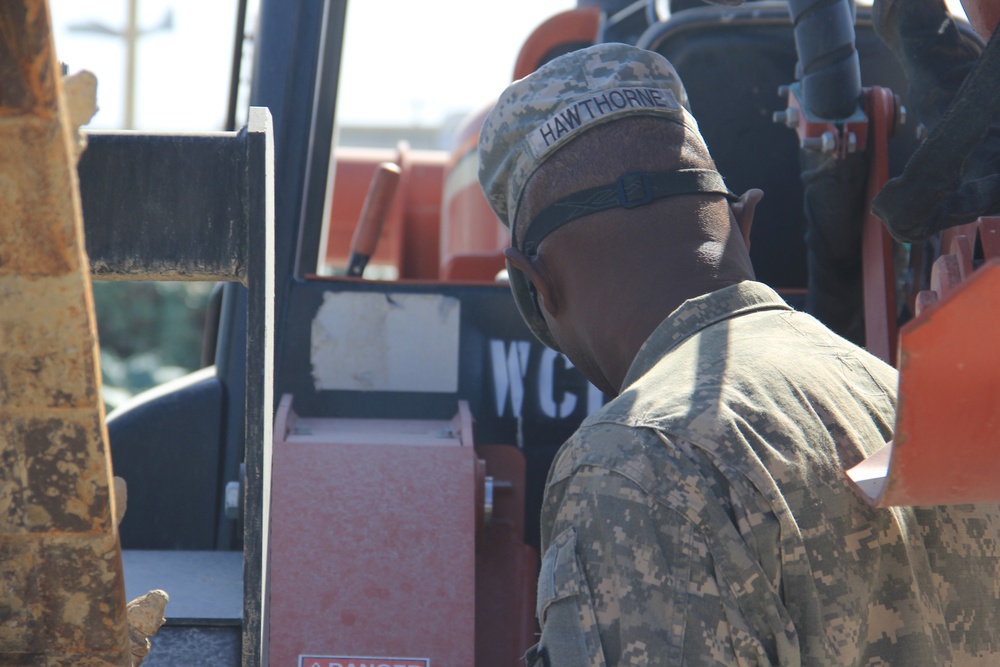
(568, 95)
(703, 517)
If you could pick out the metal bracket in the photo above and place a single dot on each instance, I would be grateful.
(839, 137)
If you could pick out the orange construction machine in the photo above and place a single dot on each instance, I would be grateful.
(355, 476)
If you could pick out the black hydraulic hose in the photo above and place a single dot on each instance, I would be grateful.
(833, 186)
(831, 73)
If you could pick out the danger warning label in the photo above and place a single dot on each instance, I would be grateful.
(357, 661)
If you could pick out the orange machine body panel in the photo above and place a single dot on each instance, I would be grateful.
(947, 443)
(579, 25)
(947, 439)
(440, 226)
(472, 238)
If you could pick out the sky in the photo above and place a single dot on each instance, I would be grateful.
(183, 73)
(405, 62)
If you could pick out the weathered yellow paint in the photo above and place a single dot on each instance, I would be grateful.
(62, 596)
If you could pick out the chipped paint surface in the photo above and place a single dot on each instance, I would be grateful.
(62, 597)
(145, 616)
(386, 342)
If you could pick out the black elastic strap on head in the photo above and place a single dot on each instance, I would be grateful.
(630, 190)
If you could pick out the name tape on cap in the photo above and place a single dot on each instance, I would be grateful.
(582, 112)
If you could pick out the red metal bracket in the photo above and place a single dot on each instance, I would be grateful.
(839, 137)
(876, 244)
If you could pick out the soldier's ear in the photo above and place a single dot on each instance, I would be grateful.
(534, 268)
(743, 211)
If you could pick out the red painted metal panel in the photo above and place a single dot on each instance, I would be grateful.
(877, 248)
(372, 545)
(506, 569)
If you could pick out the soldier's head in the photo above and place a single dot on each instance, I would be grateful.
(598, 169)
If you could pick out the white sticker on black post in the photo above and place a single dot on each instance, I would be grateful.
(386, 342)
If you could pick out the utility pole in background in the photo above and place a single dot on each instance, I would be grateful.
(131, 33)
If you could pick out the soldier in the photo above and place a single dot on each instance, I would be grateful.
(703, 517)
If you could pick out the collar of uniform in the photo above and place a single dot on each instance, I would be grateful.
(699, 313)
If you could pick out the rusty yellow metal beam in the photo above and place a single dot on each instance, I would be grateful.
(62, 598)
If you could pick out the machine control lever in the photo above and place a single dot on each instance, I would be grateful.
(374, 213)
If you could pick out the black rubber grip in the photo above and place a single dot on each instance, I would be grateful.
(830, 70)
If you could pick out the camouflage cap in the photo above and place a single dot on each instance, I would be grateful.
(564, 98)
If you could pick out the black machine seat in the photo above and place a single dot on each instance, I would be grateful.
(732, 60)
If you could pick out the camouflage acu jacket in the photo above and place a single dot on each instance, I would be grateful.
(703, 518)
